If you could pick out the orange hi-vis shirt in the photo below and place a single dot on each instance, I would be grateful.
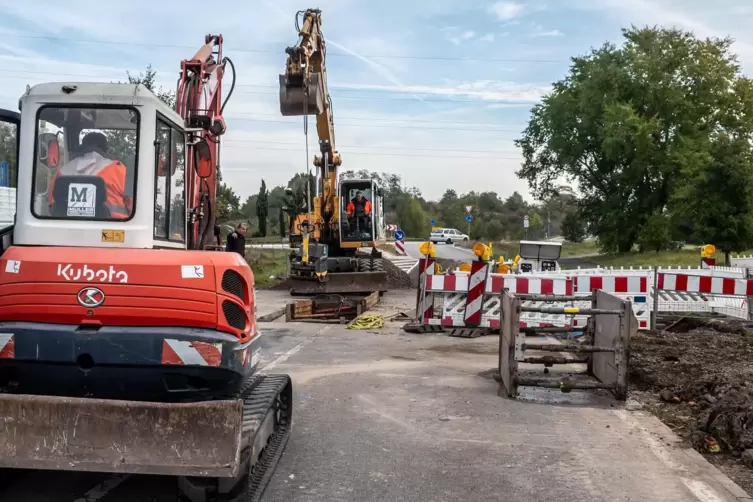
(351, 208)
(112, 172)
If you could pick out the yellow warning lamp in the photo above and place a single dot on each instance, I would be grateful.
(515, 262)
(464, 267)
(427, 248)
(708, 251)
(502, 267)
(482, 251)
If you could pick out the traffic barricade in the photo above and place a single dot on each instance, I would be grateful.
(472, 300)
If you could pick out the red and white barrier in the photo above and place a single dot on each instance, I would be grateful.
(400, 248)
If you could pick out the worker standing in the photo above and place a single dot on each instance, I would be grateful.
(359, 212)
(236, 240)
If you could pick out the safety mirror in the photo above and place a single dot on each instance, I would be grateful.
(49, 150)
(204, 167)
(53, 153)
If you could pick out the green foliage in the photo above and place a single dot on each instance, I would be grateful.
(281, 223)
(413, 220)
(716, 192)
(8, 151)
(654, 234)
(573, 227)
(534, 221)
(626, 122)
(262, 209)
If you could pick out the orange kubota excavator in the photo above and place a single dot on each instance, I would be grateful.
(126, 344)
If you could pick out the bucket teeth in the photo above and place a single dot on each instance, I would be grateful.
(293, 96)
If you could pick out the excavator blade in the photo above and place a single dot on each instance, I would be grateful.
(342, 283)
(191, 439)
(293, 96)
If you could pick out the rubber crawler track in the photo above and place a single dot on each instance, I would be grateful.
(260, 394)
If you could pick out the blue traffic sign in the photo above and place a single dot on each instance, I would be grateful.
(433, 222)
(4, 174)
(469, 218)
(399, 235)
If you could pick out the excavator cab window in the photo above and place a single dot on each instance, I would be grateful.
(170, 191)
(9, 125)
(85, 162)
(357, 215)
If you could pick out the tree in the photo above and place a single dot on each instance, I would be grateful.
(535, 223)
(654, 234)
(262, 208)
(619, 125)
(716, 193)
(411, 218)
(573, 227)
(281, 223)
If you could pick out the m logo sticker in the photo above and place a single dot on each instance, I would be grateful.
(82, 200)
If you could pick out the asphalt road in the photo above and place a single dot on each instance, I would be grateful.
(381, 415)
(445, 251)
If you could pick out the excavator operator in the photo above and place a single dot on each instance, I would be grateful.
(93, 160)
(359, 213)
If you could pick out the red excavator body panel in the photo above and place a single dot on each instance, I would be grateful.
(141, 287)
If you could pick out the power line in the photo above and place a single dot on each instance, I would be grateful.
(381, 126)
(281, 52)
(385, 147)
(468, 99)
(371, 154)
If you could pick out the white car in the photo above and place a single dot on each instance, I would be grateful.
(448, 235)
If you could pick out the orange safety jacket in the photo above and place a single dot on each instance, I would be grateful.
(351, 208)
(113, 172)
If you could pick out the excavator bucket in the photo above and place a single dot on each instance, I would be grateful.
(342, 283)
(294, 100)
(62, 433)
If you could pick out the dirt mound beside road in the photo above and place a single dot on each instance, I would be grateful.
(700, 383)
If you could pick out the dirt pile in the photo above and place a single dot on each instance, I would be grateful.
(698, 379)
(396, 277)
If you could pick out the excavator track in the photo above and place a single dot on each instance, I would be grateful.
(262, 395)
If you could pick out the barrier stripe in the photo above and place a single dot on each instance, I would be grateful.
(425, 271)
(611, 283)
(7, 346)
(476, 288)
(183, 352)
(705, 284)
(521, 285)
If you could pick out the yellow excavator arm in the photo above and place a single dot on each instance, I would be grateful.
(304, 91)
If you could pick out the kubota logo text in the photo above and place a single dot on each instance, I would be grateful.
(71, 273)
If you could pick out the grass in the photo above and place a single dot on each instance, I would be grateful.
(266, 263)
(510, 249)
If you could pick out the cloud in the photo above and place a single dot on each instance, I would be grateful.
(489, 37)
(549, 33)
(487, 90)
(506, 11)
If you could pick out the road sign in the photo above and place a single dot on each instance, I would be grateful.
(469, 218)
(433, 222)
(399, 235)
(468, 209)
(525, 221)
(4, 174)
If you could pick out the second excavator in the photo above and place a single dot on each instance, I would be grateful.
(347, 215)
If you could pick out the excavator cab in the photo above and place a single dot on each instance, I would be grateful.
(359, 219)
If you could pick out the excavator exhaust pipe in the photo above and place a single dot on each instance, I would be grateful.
(294, 100)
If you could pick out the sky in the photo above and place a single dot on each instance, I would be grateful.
(435, 91)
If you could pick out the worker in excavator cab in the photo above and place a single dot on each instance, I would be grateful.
(359, 213)
(92, 160)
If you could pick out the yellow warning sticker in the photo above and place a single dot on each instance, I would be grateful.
(113, 236)
(571, 310)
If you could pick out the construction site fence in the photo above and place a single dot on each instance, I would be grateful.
(473, 299)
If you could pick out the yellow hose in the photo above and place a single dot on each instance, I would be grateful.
(367, 321)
